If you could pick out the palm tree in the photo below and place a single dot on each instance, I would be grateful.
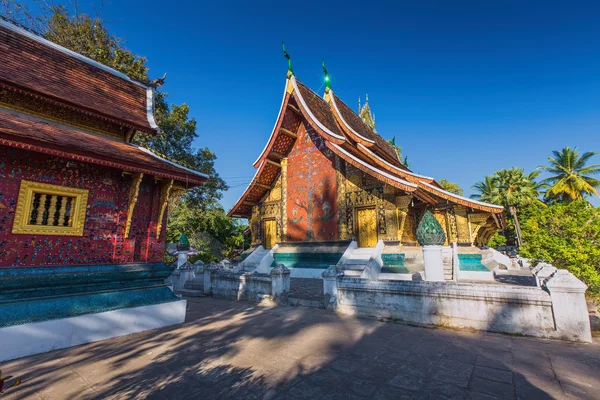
(486, 190)
(570, 178)
(510, 188)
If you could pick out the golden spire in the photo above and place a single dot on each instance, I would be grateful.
(366, 115)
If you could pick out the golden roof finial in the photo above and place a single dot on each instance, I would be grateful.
(365, 114)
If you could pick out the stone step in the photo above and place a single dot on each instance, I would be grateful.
(189, 292)
(354, 273)
(356, 260)
(194, 285)
(312, 303)
(354, 267)
(363, 250)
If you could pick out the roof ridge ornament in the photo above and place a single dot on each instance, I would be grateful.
(327, 80)
(290, 72)
(156, 83)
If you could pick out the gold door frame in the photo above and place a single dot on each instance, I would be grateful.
(274, 233)
(355, 215)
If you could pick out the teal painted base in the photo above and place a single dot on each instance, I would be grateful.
(471, 262)
(307, 260)
(394, 264)
(33, 294)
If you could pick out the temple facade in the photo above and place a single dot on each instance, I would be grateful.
(82, 209)
(326, 176)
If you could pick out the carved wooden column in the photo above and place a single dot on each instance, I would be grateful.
(134, 190)
(283, 208)
(341, 198)
(402, 203)
(165, 192)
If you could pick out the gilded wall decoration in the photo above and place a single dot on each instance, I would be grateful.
(381, 223)
(440, 216)
(282, 216)
(409, 225)
(452, 226)
(476, 222)
(343, 233)
(256, 226)
(462, 224)
(103, 240)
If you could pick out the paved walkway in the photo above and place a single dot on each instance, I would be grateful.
(236, 350)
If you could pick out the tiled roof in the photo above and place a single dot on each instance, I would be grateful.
(320, 114)
(35, 65)
(320, 108)
(357, 124)
(35, 134)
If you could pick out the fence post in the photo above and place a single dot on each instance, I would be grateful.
(569, 306)
(208, 270)
(280, 283)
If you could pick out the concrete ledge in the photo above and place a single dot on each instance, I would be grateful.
(476, 275)
(40, 337)
(307, 272)
(491, 307)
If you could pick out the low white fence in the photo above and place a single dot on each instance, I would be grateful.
(556, 309)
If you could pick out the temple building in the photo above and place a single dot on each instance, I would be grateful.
(82, 209)
(326, 178)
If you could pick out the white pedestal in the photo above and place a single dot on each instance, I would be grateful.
(40, 337)
(434, 265)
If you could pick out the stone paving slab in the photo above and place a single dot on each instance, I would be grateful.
(238, 350)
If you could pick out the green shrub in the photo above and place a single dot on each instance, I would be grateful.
(566, 235)
(497, 240)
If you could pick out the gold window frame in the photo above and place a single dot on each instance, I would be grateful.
(25, 202)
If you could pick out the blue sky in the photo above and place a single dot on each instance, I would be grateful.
(466, 87)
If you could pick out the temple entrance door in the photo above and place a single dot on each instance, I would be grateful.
(366, 226)
(269, 230)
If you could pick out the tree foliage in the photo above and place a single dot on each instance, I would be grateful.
(510, 188)
(198, 213)
(451, 187)
(570, 175)
(567, 235)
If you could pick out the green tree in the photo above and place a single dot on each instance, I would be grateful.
(570, 179)
(451, 187)
(566, 235)
(510, 188)
(497, 240)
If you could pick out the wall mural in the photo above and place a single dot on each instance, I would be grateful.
(311, 190)
(102, 240)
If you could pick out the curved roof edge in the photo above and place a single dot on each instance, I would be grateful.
(256, 163)
(238, 203)
(471, 203)
(393, 180)
(345, 123)
(314, 119)
(401, 171)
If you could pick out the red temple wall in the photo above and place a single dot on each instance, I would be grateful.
(102, 241)
(311, 190)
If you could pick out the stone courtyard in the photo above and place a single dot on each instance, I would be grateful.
(239, 350)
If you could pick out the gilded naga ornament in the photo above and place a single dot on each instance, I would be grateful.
(430, 232)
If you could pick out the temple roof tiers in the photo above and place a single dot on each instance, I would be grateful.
(349, 136)
(58, 102)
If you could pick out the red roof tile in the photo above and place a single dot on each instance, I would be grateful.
(36, 65)
(358, 125)
(27, 132)
(320, 108)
